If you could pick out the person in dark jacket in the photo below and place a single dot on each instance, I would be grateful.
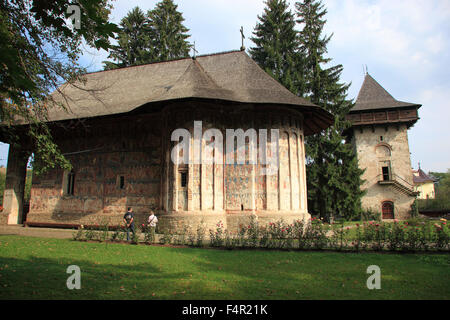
(128, 218)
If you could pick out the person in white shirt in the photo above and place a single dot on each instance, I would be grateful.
(152, 221)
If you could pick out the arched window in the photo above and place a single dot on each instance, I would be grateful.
(387, 208)
(383, 151)
(70, 187)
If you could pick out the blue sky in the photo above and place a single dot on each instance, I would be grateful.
(404, 43)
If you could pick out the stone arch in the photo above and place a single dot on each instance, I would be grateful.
(383, 150)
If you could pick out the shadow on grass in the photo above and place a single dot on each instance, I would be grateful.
(324, 275)
(145, 272)
(43, 278)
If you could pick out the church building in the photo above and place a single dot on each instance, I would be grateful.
(117, 130)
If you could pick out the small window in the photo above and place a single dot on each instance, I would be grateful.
(70, 183)
(386, 174)
(381, 138)
(122, 182)
(183, 179)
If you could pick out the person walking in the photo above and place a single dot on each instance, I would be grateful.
(128, 218)
(152, 221)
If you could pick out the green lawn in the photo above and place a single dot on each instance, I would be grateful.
(35, 268)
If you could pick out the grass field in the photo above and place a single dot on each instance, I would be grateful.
(35, 268)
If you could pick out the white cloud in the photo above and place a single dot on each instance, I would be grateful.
(429, 138)
(436, 43)
(395, 32)
(405, 43)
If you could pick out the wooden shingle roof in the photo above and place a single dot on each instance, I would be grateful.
(231, 76)
(373, 96)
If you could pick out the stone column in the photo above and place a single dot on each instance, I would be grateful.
(191, 178)
(175, 182)
(293, 160)
(302, 178)
(16, 173)
(272, 180)
(303, 169)
(218, 184)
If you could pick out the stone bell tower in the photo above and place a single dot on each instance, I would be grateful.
(379, 134)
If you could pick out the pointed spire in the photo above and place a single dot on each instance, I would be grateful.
(373, 96)
(371, 90)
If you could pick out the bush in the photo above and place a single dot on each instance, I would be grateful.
(182, 238)
(429, 205)
(77, 236)
(441, 235)
(318, 234)
(339, 233)
(395, 236)
(167, 237)
(89, 234)
(149, 234)
(200, 234)
(370, 215)
(216, 236)
(102, 235)
(135, 235)
(412, 235)
(253, 232)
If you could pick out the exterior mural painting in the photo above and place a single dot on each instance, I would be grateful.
(119, 141)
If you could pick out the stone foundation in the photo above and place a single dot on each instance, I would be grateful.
(173, 222)
(230, 221)
(3, 218)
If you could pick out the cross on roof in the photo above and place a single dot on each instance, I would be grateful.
(243, 37)
(194, 51)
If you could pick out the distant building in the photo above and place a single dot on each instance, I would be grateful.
(379, 134)
(423, 184)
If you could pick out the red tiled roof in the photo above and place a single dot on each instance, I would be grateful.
(420, 177)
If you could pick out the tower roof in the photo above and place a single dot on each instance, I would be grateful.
(230, 76)
(373, 96)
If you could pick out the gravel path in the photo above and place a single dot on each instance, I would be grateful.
(54, 233)
(36, 232)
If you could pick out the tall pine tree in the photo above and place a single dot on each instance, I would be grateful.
(276, 42)
(167, 31)
(134, 44)
(156, 36)
(333, 175)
